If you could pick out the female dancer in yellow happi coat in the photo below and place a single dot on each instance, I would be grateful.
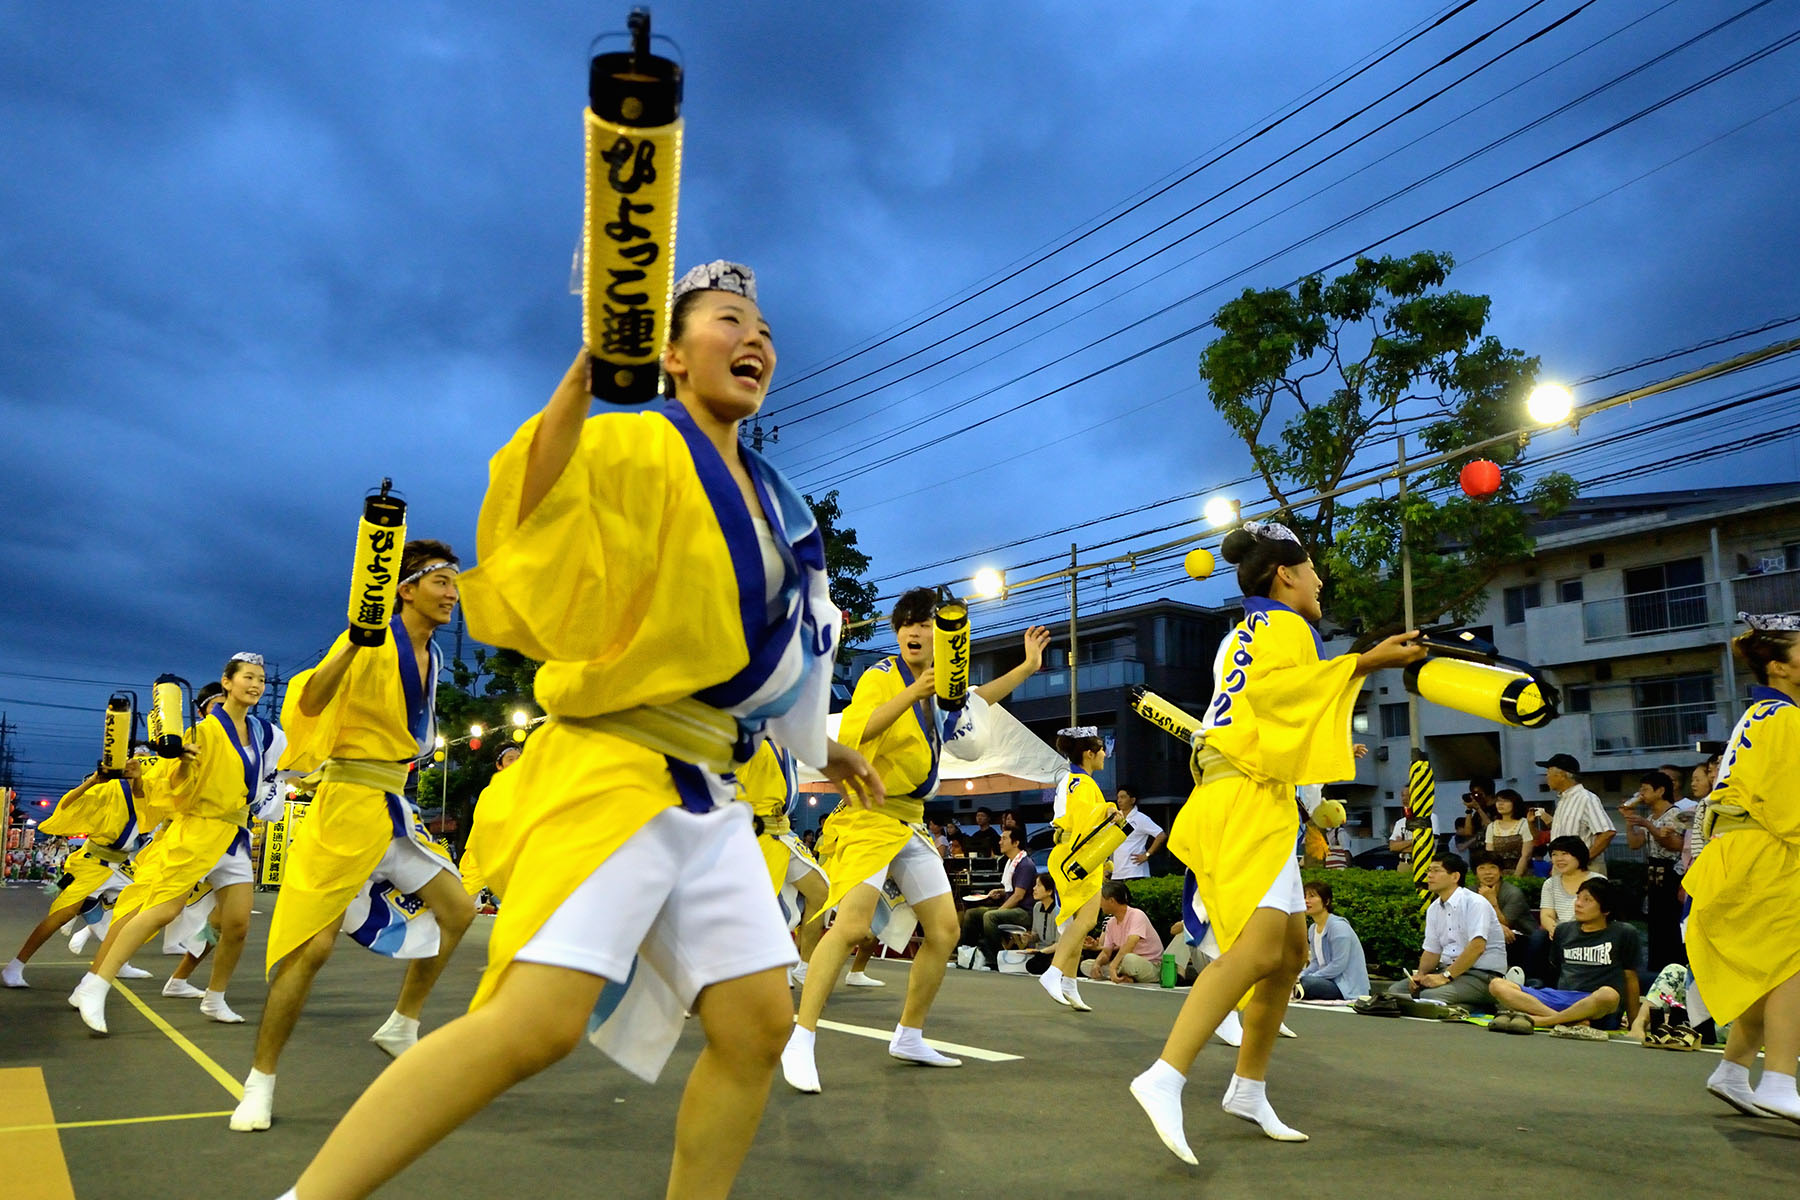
(673, 585)
(1743, 932)
(770, 784)
(1280, 717)
(113, 814)
(1080, 808)
(211, 791)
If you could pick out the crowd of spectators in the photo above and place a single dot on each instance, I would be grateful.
(44, 860)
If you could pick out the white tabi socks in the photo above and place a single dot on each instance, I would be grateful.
(1051, 981)
(1158, 1093)
(397, 1035)
(13, 975)
(1231, 1029)
(1730, 1082)
(908, 1045)
(130, 972)
(797, 1065)
(1776, 1095)
(1248, 1098)
(181, 989)
(213, 1006)
(1071, 991)
(89, 999)
(257, 1108)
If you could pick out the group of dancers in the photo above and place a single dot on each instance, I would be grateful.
(673, 585)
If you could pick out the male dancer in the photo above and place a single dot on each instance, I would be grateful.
(358, 720)
(894, 720)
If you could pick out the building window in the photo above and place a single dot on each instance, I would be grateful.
(1666, 596)
(1518, 599)
(1674, 711)
(1359, 721)
(1568, 591)
(1393, 721)
(1581, 698)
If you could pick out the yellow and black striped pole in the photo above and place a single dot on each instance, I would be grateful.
(1421, 795)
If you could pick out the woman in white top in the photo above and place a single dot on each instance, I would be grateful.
(1509, 835)
(1568, 870)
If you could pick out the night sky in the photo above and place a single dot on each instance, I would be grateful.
(254, 258)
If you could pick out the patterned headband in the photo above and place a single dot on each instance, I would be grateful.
(1270, 531)
(1079, 731)
(1771, 622)
(427, 569)
(718, 276)
(244, 656)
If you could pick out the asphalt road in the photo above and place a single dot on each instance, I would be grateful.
(1394, 1107)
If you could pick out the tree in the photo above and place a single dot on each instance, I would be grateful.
(845, 565)
(1382, 349)
(486, 694)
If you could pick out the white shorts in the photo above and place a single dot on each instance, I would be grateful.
(1286, 894)
(689, 891)
(234, 867)
(917, 870)
(409, 866)
(800, 865)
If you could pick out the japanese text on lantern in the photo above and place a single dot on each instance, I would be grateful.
(372, 605)
(628, 325)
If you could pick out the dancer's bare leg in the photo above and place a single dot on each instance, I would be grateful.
(454, 911)
(747, 1021)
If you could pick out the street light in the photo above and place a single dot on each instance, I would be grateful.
(1221, 511)
(520, 719)
(474, 731)
(1550, 403)
(990, 583)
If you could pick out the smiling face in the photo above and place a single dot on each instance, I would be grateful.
(244, 684)
(1298, 588)
(1488, 873)
(1561, 862)
(432, 597)
(724, 358)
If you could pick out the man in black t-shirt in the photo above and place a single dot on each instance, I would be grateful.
(1597, 960)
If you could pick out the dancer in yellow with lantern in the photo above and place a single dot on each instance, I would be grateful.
(770, 784)
(1081, 809)
(897, 718)
(356, 723)
(673, 585)
(1280, 717)
(112, 812)
(1743, 932)
(226, 759)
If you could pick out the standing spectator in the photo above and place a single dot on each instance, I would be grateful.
(1010, 820)
(1699, 783)
(1525, 942)
(1654, 825)
(1568, 871)
(1338, 969)
(1597, 978)
(1696, 838)
(937, 837)
(981, 925)
(1478, 805)
(1464, 947)
(1130, 951)
(984, 838)
(1508, 837)
(1579, 812)
(1132, 859)
(811, 838)
(1400, 842)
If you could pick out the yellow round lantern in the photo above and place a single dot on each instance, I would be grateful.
(1199, 563)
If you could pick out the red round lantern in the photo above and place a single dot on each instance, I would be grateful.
(1480, 479)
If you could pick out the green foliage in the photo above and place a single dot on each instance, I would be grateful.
(1160, 898)
(1340, 362)
(484, 693)
(846, 565)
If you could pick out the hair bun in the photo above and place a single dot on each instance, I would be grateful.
(1237, 545)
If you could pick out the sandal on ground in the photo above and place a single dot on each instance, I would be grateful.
(1579, 1033)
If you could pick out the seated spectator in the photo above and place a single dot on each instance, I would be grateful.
(1568, 871)
(1464, 947)
(981, 924)
(958, 847)
(984, 838)
(1040, 936)
(1010, 820)
(1337, 969)
(1597, 978)
(1130, 951)
(1525, 942)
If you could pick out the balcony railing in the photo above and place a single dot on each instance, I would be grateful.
(1775, 591)
(1693, 606)
(1659, 728)
(1094, 677)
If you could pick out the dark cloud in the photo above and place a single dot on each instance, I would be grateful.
(256, 259)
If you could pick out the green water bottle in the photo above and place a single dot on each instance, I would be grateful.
(1168, 970)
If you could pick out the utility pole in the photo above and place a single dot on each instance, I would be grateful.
(1074, 660)
(7, 756)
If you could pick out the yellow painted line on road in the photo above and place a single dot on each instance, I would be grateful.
(224, 1112)
(194, 1052)
(35, 1166)
(887, 1035)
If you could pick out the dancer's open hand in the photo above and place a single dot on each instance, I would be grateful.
(853, 775)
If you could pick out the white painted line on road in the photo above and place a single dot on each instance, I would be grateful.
(887, 1035)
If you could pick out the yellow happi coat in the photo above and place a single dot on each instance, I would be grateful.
(1084, 807)
(208, 802)
(381, 713)
(1743, 932)
(1279, 718)
(768, 783)
(116, 818)
(857, 842)
(637, 581)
